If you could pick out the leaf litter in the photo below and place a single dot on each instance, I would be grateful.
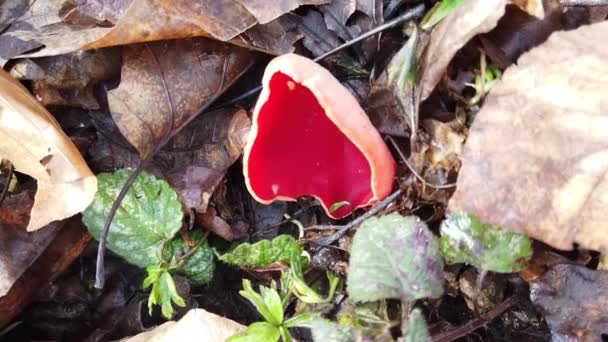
(140, 106)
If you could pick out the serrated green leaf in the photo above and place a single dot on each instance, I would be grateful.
(394, 257)
(324, 330)
(200, 265)
(464, 239)
(263, 253)
(257, 332)
(438, 12)
(164, 293)
(415, 329)
(401, 71)
(268, 303)
(149, 215)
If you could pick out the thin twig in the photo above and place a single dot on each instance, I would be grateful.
(413, 170)
(413, 13)
(476, 292)
(101, 250)
(328, 240)
(8, 182)
(583, 2)
(478, 322)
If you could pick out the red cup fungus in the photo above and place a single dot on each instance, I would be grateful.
(310, 136)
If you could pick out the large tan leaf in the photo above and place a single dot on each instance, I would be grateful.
(536, 160)
(196, 325)
(33, 141)
(452, 33)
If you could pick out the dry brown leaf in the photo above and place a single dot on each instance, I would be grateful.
(69, 79)
(197, 324)
(452, 33)
(536, 159)
(34, 142)
(163, 84)
(574, 301)
(152, 20)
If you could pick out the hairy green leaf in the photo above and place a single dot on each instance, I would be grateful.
(257, 332)
(415, 329)
(465, 239)
(149, 215)
(438, 12)
(199, 264)
(324, 330)
(280, 249)
(395, 257)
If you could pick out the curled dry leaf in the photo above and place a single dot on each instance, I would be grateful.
(536, 158)
(69, 79)
(163, 85)
(206, 326)
(91, 24)
(451, 34)
(34, 142)
(574, 301)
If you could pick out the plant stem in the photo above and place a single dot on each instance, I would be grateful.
(342, 230)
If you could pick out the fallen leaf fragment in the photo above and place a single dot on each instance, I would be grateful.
(536, 158)
(532, 7)
(196, 325)
(56, 252)
(34, 142)
(574, 301)
(452, 33)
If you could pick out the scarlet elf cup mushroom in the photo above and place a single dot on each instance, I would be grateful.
(310, 136)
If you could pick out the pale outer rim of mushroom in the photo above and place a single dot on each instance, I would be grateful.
(342, 109)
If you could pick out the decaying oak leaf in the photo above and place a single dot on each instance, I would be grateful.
(163, 85)
(206, 326)
(451, 34)
(574, 301)
(34, 142)
(532, 7)
(90, 24)
(536, 159)
(69, 79)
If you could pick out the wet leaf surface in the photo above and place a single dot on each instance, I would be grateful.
(163, 85)
(464, 239)
(574, 300)
(33, 141)
(394, 257)
(535, 160)
(149, 216)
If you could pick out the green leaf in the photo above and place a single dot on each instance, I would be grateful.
(402, 68)
(438, 12)
(304, 292)
(324, 330)
(268, 303)
(163, 293)
(280, 249)
(415, 329)
(149, 215)
(200, 265)
(339, 205)
(257, 332)
(395, 257)
(464, 239)
(301, 320)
